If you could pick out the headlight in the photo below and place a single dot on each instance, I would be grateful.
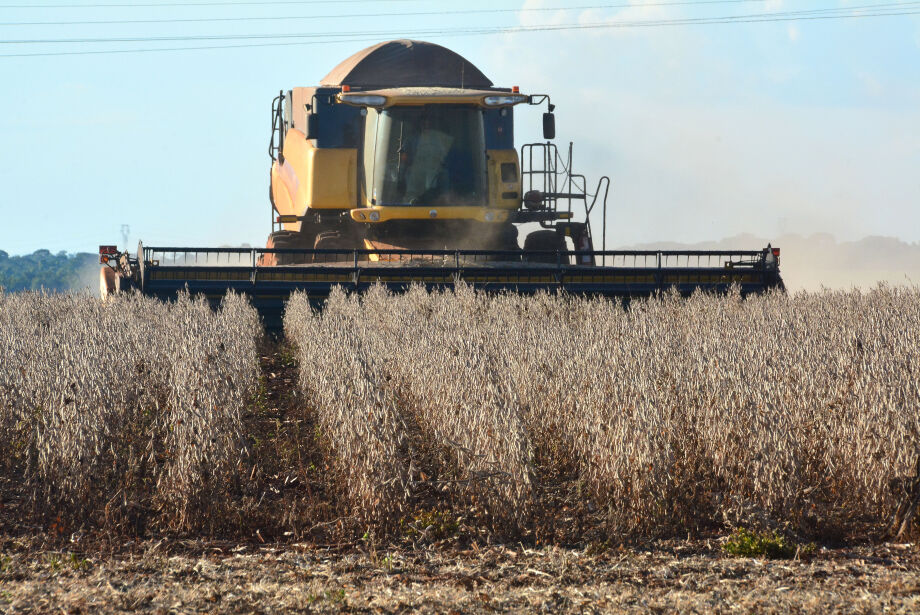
(374, 216)
(504, 99)
(363, 100)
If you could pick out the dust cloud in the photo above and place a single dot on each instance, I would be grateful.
(819, 260)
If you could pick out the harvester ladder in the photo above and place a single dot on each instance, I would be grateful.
(544, 169)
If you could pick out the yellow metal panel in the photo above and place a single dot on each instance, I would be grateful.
(281, 196)
(315, 178)
(455, 212)
(497, 187)
(290, 174)
(333, 178)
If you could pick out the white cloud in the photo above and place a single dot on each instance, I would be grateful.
(793, 32)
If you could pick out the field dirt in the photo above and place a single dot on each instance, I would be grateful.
(663, 576)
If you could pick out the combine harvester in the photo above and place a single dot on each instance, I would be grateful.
(400, 168)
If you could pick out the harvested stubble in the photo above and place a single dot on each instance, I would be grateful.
(676, 414)
(126, 412)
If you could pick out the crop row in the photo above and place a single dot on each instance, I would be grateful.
(127, 411)
(514, 412)
(673, 414)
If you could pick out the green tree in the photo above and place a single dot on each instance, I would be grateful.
(44, 270)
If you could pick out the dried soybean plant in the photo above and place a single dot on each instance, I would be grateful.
(676, 413)
(688, 412)
(212, 372)
(441, 354)
(355, 411)
(124, 412)
(409, 396)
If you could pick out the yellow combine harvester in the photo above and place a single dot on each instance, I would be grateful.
(408, 145)
(400, 168)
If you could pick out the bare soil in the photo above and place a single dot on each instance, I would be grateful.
(692, 577)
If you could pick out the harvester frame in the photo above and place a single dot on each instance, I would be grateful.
(164, 272)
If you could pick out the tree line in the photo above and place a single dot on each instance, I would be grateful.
(44, 270)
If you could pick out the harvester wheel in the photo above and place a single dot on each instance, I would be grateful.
(544, 240)
(507, 240)
(332, 240)
(285, 240)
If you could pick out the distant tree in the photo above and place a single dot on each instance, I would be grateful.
(42, 269)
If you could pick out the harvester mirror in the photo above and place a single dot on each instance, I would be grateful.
(549, 126)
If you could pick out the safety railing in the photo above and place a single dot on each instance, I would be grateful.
(543, 169)
(614, 259)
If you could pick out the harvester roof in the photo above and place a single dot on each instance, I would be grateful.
(407, 63)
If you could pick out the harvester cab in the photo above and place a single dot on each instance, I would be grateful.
(406, 145)
(400, 168)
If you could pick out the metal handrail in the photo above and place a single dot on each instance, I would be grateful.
(643, 259)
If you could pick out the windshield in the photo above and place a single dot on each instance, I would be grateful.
(431, 155)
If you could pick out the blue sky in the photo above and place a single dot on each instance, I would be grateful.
(706, 130)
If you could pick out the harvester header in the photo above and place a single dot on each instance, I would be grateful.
(401, 167)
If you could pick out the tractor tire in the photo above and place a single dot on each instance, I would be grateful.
(332, 240)
(545, 240)
(286, 240)
(508, 241)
